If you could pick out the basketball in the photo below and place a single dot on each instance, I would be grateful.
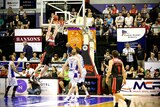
(55, 18)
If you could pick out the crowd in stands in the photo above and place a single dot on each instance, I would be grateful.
(105, 24)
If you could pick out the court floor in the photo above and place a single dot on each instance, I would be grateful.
(93, 101)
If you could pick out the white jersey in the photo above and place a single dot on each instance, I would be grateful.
(11, 73)
(73, 63)
(81, 60)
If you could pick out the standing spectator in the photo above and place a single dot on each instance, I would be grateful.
(35, 58)
(140, 55)
(152, 57)
(155, 28)
(105, 30)
(27, 50)
(25, 21)
(119, 20)
(1, 22)
(22, 58)
(21, 12)
(129, 52)
(144, 10)
(10, 15)
(133, 11)
(69, 49)
(29, 70)
(124, 11)
(128, 20)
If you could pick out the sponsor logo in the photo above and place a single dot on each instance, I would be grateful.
(89, 68)
(28, 38)
(22, 86)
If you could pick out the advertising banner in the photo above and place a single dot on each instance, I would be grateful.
(141, 87)
(14, 4)
(130, 35)
(32, 36)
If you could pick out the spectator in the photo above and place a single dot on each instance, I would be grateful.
(130, 72)
(10, 15)
(156, 73)
(73, 12)
(127, 68)
(129, 52)
(64, 58)
(98, 25)
(114, 11)
(109, 20)
(152, 57)
(25, 21)
(140, 55)
(119, 20)
(47, 74)
(159, 56)
(3, 71)
(155, 28)
(29, 70)
(90, 20)
(15, 55)
(64, 82)
(69, 49)
(144, 10)
(148, 74)
(35, 58)
(158, 18)
(89, 12)
(24, 74)
(148, 20)
(145, 26)
(1, 22)
(106, 11)
(124, 11)
(52, 16)
(128, 20)
(105, 30)
(133, 11)
(21, 12)
(22, 58)
(140, 72)
(11, 29)
(16, 21)
(54, 73)
(138, 20)
(4, 58)
(155, 50)
(55, 58)
(1, 54)
(27, 50)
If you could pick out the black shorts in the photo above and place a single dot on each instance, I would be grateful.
(65, 83)
(119, 81)
(46, 58)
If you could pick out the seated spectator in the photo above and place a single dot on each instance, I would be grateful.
(128, 20)
(47, 74)
(64, 58)
(124, 11)
(144, 10)
(133, 11)
(4, 58)
(22, 58)
(158, 18)
(10, 29)
(119, 20)
(64, 81)
(29, 70)
(152, 57)
(148, 20)
(15, 55)
(4, 71)
(1, 22)
(109, 20)
(89, 13)
(148, 74)
(127, 68)
(90, 20)
(130, 72)
(155, 50)
(24, 74)
(114, 11)
(21, 12)
(25, 21)
(138, 20)
(140, 72)
(156, 73)
(155, 28)
(16, 21)
(54, 72)
(35, 58)
(55, 58)
(106, 11)
(98, 25)
(143, 25)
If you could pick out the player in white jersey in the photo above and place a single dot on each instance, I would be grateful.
(84, 72)
(11, 77)
(75, 72)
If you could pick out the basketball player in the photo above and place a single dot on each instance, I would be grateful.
(11, 77)
(84, 72)
(74, 68)
(117, 74)
(49, 49)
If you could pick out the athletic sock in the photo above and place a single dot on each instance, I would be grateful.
(86, 92)
(116, 105)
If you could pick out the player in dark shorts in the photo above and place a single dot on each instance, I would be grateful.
(116, 73)
(48, 50)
